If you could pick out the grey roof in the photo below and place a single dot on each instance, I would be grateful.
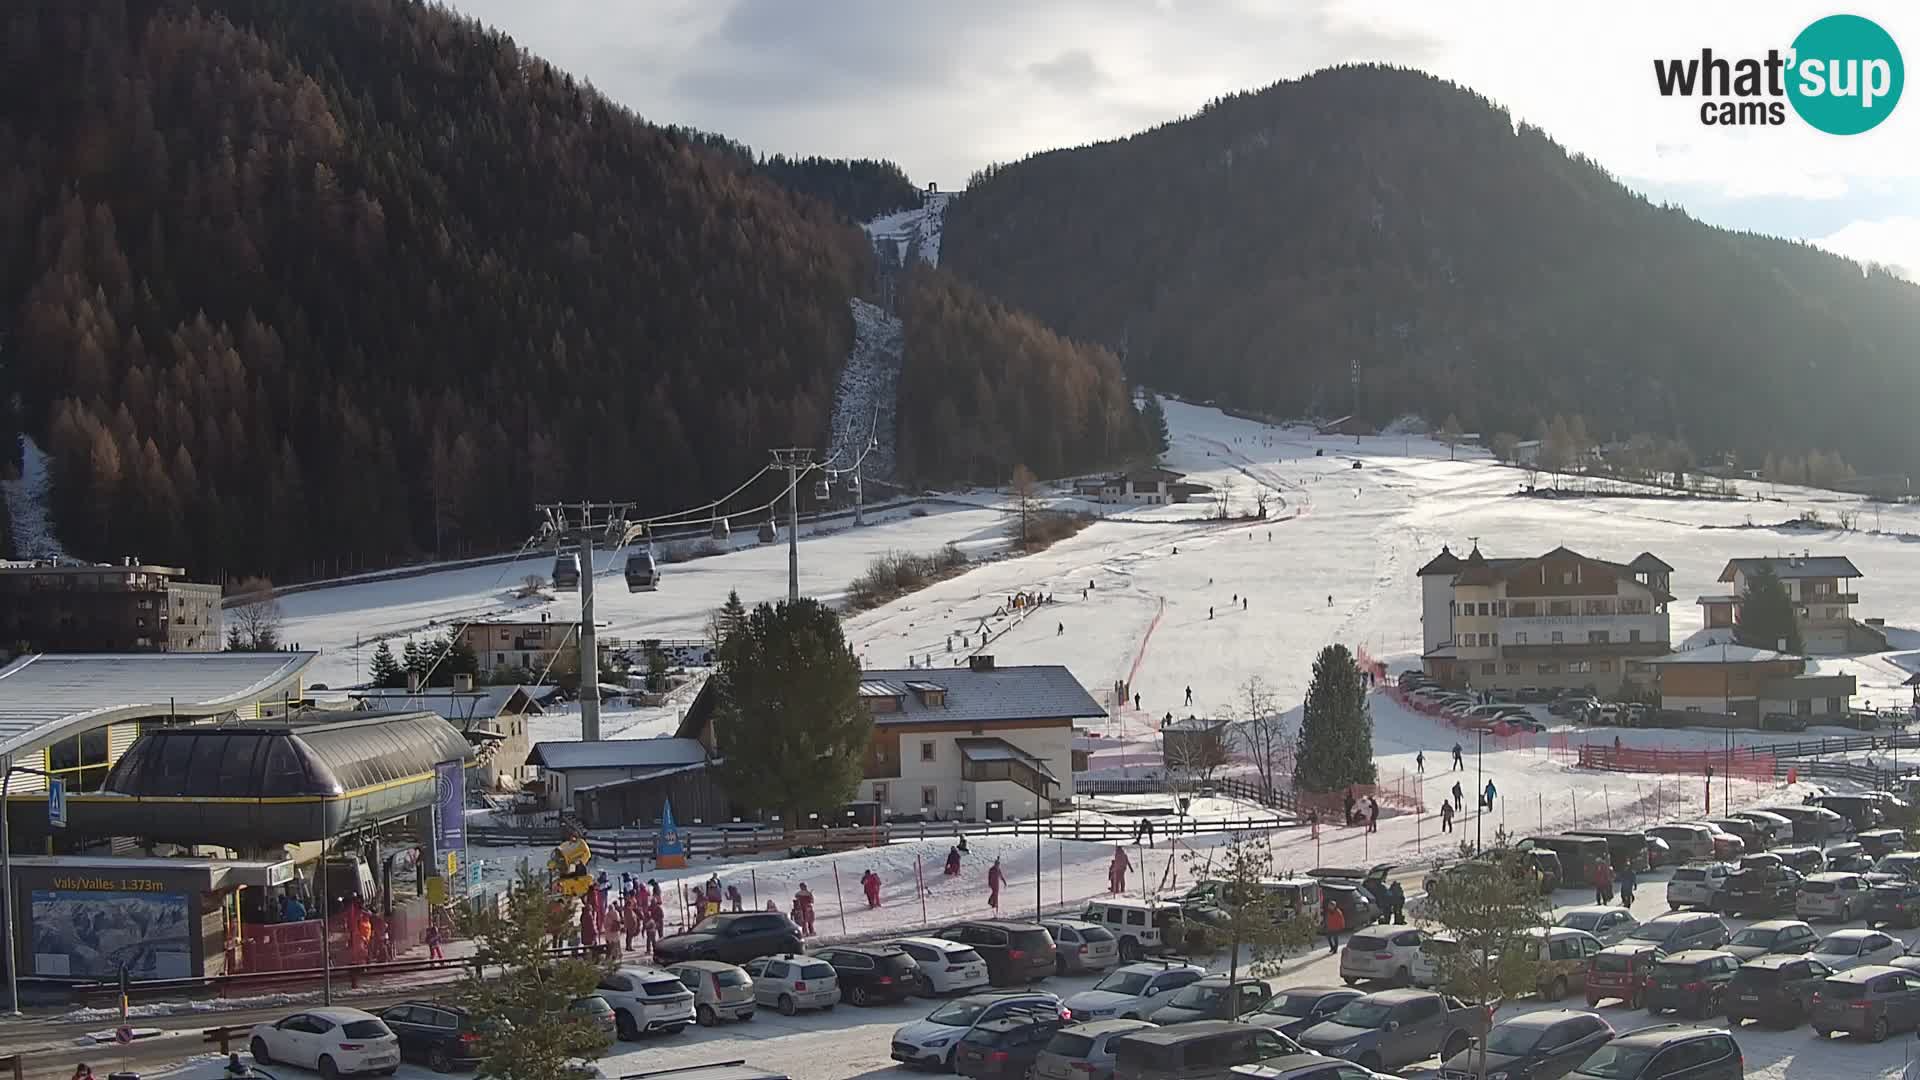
(49, 696)
(1001, 750)
(1036, 692)
(484, 703)
(618, 754)
(1796, 566)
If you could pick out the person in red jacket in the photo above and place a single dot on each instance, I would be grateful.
(995, 879)
(1336, 921)
(870, 883)
(1117, 870)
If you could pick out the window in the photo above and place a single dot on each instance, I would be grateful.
(1558, 637)
(1488, 669)
(1466, 641)
(1500, 608)
(1520, 638)
(1559, 607)
(1549, 669)
(880, 794)
(1606, 665)
(1485, 641)
(1596, 637)
(1496, 638)
(505, 636)
(929, 796)
(1566, 577)
(927, 750)
(1524, 609)
(1513, 669)
(1633, 635)
(1579, 667)
(1486, 609)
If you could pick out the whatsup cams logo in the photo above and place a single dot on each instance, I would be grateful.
(1842, 75)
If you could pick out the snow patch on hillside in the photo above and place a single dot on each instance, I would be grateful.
(915, 232)
(863, 404)
(27, 513)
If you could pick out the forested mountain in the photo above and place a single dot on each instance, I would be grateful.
(984, 388)
(1384, 220)
(860, 188)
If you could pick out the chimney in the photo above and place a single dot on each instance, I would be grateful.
(980, 662)
(463, 683)
(413, 682)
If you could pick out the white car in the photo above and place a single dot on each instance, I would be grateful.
(1689, 840)
(646, 1000)
(950, 967)
(333, 1042)
(1383, 953)
(794, 981)
(1696, 885)
(931, 1041)
(1610, 924)
(1779, 829)
(1132, 991)
(1844, 950)
(1830, 896)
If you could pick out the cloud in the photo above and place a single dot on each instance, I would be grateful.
(1892, 242)
(1071, 72)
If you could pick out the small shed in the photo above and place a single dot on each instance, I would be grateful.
(573, 766)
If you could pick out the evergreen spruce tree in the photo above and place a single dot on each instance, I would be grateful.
(236, 642)
(730, 616)
(456, 658)
(789, 724)
(1153, 416)
(414, 660)
(1336, 729)
(1766, 613)
(384, 671)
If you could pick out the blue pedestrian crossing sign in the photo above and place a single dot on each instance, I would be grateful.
(57, 803)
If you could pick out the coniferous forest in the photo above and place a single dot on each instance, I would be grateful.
(1384, 223)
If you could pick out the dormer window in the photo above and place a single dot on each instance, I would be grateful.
(931, 695)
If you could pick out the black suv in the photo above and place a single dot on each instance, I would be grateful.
(1016, 952)
(1669, 1052)
(1680, 930)
(874, 974)
(1692, 982)
(446, 1037)
(1893, 902)
(1005, 1047)
(1776, 990)
(1762, 890)
(734, 939)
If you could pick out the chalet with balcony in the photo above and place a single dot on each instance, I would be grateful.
(1561, 619)
(1749, 683)
(1822, 590)
(538, 646)
(1151, 486)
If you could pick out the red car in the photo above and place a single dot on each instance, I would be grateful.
(1619, 971)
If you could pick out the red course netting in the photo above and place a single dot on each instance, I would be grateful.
(1746, 764)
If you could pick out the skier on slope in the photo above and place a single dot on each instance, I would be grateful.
(1189, 695)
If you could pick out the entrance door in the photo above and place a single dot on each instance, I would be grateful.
(996, 811)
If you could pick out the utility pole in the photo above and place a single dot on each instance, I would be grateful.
(794, 460)
(578, 525)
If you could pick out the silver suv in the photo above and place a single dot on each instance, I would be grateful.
(1697, 885)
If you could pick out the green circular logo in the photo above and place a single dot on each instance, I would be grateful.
(1846, 76)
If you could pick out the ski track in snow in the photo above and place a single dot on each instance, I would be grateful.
(27, 512)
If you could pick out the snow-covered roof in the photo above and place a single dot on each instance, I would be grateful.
(1001, 750)
(50, 696)
(1731, 654)
(1726, 598)
(618, 754)
(1795, 566)
(1028, 692)
(482, 703)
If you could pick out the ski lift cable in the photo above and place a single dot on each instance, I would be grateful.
(447, 645)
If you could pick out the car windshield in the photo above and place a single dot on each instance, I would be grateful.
(1290, 1005)
(1838, 946)
(1754, 935)
(1362, 1013)
(1817, 886)
(1689, 873)
(817, 971)
(1366, 943)
(1096, 933)
(1652, 931)
(1207, 996)
(1613, 962)
(1070, 1045)
(1616, 1062)
(958, 1014)
(730, 977)
(364, 1029)
(1580, 920)
(1131, 983)
(1513, 1038)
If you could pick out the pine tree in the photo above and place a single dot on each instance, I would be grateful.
(1153, 418)
(456, 658)
(728, 618)
(414, 660)
(384, 672)
(1766, 614)
(1336, 729)
(789, 723)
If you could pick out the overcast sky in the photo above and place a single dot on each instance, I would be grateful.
(946, 86)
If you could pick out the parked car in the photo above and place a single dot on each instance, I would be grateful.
(1861, 812)
(1395, 1028)
(1202, 1050)
(1752, 836)
(1905, 864)
(1789, 936)
(791, 982)
(1893, 901)
(1081, 946)
(1139, 926)
(445, 1037)
(1666, 1052)
(1384, 953)
(1688, 840)
(873, 974)
(1134, 990)
(1776, 990)
(597, 1012)
(1881, 842)
(1844, 950)
(1084, 1051)
(1696, 885)
(1803, 858)
(1812, 824)
(1610, 925)
(1692, 982)
(931, 1041)
(732, 938)
(1762, 891)
(1620, 971)
(1544, 1045)
(1016, 953)
(1623, 847)
(1297, 1008)
(1564, 953)
(1579, 854)
(947, 967)
(1774, 828)
(646, 1000)
(720, 991)
(1306, 1067)
(1006, 1048)
(1680, 931)
(1830, 896)
(1869, 1001)
(1213, 998)
(1726, 845)
(333, 1042)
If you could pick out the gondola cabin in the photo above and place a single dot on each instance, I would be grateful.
(643, 573)
(768, 531)
(721, 530)
(566, 571)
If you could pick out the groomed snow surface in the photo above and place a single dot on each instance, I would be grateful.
(1168, 600)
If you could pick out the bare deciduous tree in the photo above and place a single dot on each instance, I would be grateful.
(1025, 489)
(253, 622)
(1264, 732)
(1262, 499)
(1226, 498)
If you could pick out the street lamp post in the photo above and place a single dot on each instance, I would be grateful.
(1036, 859)
(1480, 765)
